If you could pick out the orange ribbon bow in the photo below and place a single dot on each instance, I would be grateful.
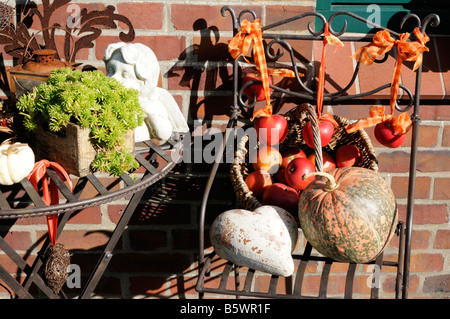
(251, 34)
(49, 190)
(328, 39)
(407, 51)
(400, 124)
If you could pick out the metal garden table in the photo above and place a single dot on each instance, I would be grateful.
(156, 161)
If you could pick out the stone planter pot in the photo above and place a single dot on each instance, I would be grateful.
(71, 148)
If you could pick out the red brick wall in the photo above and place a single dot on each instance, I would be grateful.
(157, 254)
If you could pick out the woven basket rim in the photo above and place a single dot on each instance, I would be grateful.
(243, 194)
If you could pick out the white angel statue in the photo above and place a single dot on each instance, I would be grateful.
(136, 66)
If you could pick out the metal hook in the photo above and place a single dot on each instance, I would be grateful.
(244, 12)
(432, 19)
(330, 21)
(269, 46)
(317, 33)
(411, 16)
(224, 10)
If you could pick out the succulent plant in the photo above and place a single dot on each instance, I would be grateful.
(91, 100)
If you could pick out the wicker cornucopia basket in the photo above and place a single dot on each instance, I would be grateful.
(297, 118)
(6, 14)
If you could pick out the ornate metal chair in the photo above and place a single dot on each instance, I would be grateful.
(213, 267)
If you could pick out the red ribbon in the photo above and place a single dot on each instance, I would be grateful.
(49, 190)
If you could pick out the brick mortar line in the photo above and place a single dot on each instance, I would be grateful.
(433, 228)
(418, 174)
(440, 134)
(166, 18)
(423, 202)
(406, 149)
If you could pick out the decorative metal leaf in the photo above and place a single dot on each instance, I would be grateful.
(92, 22)
(17, 38)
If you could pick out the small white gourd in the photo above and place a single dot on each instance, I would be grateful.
(16, 162)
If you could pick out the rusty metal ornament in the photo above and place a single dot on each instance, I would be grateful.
(19, 43)
(15, 38)
(24, 77)
(44, 62)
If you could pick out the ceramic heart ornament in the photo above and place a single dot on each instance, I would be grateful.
(262, 239)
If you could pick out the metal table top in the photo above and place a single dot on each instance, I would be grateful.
(22, 200)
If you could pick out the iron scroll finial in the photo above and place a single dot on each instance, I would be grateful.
(354, 16)
(236, 19)
(432, 19)
(230, 10)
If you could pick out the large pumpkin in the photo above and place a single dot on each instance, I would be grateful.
(348, 214)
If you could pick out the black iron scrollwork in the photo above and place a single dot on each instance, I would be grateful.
(432, 19)
(306, 93)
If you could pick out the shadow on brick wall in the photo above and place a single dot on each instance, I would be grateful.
(204, 68)
(158, 252)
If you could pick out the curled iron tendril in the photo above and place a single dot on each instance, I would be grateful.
(236, 19)
(354, 16)
(432, 19)
(307, 93)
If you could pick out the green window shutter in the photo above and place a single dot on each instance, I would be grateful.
(372, 1)
(323, 5)
(390, 13)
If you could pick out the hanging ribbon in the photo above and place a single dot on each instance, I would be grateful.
(332, 40)
(400, 124)
(382, 43)
(251, 34)
(407, 51)
(49, 190)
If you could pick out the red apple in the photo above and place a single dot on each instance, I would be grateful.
(295, 171)
(280, 176)
(271, 130)
(283, 196)
(326, 129)
(328, 161)
(267, 158)
(384, 133)
(258, 181)
(290, 154)
(348, 155)
(255, 89)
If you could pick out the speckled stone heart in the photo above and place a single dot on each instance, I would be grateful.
(262, 239)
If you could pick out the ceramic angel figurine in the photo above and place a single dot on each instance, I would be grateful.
(135, 66)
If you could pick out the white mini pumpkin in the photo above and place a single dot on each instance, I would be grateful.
(16, 162)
